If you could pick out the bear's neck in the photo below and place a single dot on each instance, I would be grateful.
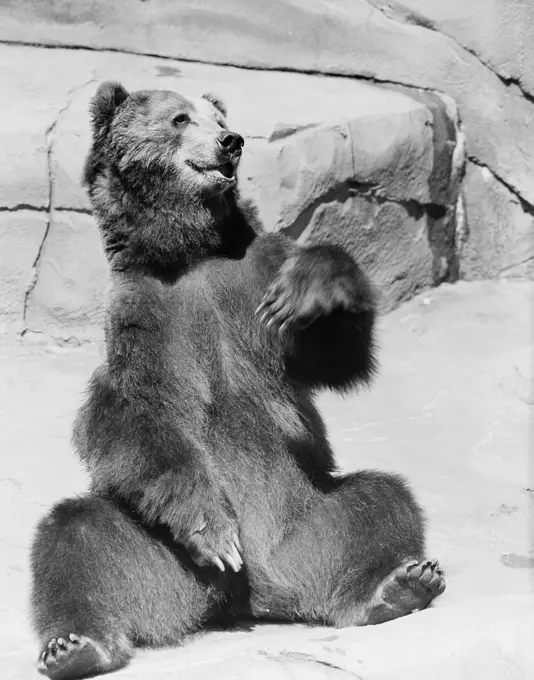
(167, 235)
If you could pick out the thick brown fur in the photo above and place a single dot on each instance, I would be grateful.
(199, 429)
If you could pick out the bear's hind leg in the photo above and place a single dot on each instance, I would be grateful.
(355, 558)
(386, 574)
(102, 584)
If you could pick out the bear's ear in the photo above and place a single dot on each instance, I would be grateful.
(103, 105)
(216, 101)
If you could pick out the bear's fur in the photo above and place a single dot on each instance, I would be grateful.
(214, 486)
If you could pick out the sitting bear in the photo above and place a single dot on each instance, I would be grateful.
(214, 491)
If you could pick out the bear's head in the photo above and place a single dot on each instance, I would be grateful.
(161, 172)
(149, 133)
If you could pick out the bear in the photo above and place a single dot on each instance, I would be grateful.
(214, 491)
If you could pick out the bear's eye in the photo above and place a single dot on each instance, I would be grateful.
(221, 125)
(180, 119)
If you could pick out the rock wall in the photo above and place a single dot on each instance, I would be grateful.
(372, 159)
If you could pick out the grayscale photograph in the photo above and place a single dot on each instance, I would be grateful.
(267, 339)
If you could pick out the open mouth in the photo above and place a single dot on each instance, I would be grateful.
(227, 170)
(224, 172)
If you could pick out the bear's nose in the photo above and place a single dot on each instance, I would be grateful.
(230, 141)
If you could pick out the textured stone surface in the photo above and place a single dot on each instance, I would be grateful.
(500, 230)
(300, 128)
(21, 236)
(450, 410)
(498, 32)
(349, 37)
(68, 296)
(365, 150)
(386, 147)
(392, 241)
(31, 104)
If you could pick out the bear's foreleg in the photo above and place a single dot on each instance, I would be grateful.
(102, 584)
(323, 308)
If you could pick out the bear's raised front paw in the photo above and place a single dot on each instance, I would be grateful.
(301, 294)
(216, 542)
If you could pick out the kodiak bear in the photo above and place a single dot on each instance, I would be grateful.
(214, 492)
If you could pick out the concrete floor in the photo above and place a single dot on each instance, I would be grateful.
(451, 409)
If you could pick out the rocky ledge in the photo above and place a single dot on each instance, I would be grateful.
(373, 167)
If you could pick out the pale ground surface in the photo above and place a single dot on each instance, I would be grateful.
(451, 409)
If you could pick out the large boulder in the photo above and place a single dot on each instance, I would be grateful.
(371, 167)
